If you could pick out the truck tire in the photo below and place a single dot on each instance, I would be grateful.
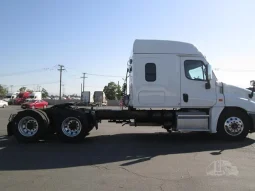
(46, 118)
(72, 127)
(233, 125)
(29, 126)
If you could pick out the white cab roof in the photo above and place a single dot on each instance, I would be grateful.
(33, 93)
(163, 47)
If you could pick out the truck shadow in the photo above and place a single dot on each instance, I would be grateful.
(125, 148)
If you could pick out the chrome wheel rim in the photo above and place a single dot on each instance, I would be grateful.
(233, 126)
(71, 127)
(28, 126)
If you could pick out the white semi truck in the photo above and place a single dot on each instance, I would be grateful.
(171, 84)
(11, 96)
(85, 97)
(35, 96)
(99, 98)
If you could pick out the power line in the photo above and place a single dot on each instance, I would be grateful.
(102, 75)
(61, 68)
(233, 70)
(26, 72)
(216, 69)
(11, 87)
(105, 75)
(45, 83)
(35, 84)
(38, 88)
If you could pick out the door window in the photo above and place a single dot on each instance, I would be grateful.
(195, 70)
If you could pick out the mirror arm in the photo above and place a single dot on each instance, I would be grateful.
(207, 84)
(251, 94)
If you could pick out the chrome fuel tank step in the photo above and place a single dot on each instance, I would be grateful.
(192, 121)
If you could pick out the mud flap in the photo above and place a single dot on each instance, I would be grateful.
(10, 124)
(9, 129)
(95, 123)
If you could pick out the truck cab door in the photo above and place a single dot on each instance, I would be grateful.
(194, 93)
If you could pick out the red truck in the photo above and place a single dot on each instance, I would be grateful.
(22, 96)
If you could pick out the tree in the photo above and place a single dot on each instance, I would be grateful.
(110, 91)
(28, 90)
(22, 89)
(123, 87)
(3, 91)
(118, 92)
(44, 93)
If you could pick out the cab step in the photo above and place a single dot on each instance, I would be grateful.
(192, 121)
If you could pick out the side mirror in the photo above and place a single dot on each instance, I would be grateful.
(209, 72)
(208, 76)
(252, 83)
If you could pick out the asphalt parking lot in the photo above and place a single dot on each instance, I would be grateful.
(127, 158)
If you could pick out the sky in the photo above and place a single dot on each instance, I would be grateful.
(96, 37)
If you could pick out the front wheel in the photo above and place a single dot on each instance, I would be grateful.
(233, 125)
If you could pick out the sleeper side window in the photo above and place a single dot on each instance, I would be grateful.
(150, 72)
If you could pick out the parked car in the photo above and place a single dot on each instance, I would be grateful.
(34, 104)
(3, 103)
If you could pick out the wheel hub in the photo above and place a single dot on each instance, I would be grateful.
(28, 126)
(71, 126)
(233, 126)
